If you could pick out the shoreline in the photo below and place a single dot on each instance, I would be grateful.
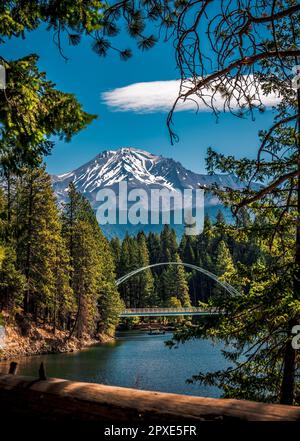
(42, 341)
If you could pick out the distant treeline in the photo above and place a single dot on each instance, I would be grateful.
(56, 267)
(214, 250)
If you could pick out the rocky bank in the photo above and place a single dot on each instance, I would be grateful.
(41, 340)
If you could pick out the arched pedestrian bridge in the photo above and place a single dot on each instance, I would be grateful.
(156, 312)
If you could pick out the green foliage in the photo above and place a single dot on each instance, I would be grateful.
(58, 268)
(214, 249)
(153, 286)
(74, 17)
(12, 282)
(257, 324)
(145, 278)
(224, 266)
(92, 276)
(32, 110)
(173, 283)
(38, 242)
(174, 302)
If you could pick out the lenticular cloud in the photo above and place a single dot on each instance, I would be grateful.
(159, 96)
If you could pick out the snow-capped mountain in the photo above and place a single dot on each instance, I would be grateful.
(139, 169)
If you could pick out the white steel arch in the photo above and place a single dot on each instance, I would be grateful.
(225, 285)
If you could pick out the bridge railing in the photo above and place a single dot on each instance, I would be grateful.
(163, 310)
(55, 399)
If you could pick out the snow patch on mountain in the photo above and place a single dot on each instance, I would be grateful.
(140, 169)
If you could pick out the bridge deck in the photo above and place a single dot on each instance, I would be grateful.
(159, 312)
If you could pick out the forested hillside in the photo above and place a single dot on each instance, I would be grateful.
(215, 250)
(56, 266)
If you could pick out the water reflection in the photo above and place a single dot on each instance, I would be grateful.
(137, 360)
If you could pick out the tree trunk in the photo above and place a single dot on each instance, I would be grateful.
(55, 294)
(28, 250)
(288, 379)
(8, 178)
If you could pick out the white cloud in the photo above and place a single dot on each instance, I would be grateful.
(158, 96)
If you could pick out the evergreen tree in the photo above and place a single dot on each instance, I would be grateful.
(223, 263)
(173, 283)
(220, 220)
(168, 244)
(109, 303)
(182, 290)
(128, 263)
(63, 298)
(92, 275)
(186, 249)
(137, 291)
(146, 295)
(203, 251)
(12, 282)
(84, 278)
(38, 241)
(115, 244)
(23, 140)
(153, 244)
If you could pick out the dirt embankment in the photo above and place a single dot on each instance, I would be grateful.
(41, 340)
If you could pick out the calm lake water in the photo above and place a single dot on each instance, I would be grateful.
(137, 360)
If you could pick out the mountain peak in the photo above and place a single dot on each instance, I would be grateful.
(124, 151)
(140, 169)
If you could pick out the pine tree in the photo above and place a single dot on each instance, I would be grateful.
(168, 244)
(115, 245)
(153, 244)
(204, 240)
(137, 291)
(145, 278)
(109, 303)
(63, 301)
(84, 278)
(92, 276)
(25, 140)
(173, 283)
(224, 267)
(128, 263)
(223, 262)
(38, 241)
(182, 290)
(186, 249)
(220, 219)
(203, 251)
(12, 282)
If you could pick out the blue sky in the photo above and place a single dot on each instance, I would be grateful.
(88, 76)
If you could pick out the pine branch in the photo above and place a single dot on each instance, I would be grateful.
(245, 61)
(267, 189)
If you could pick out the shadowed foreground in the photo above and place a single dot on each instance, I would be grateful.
(57, 399)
